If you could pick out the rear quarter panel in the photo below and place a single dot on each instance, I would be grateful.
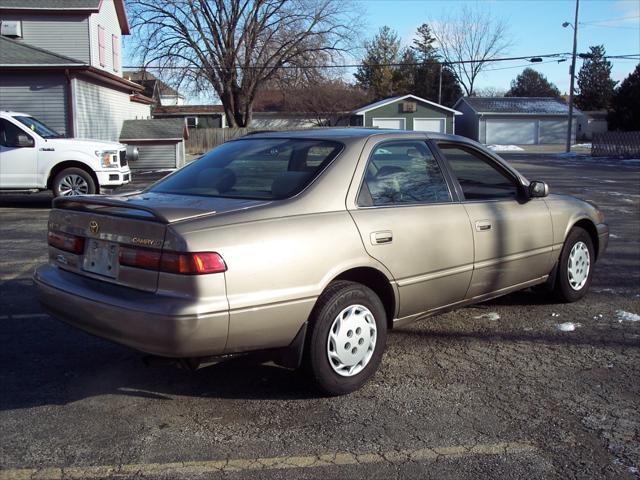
(277, 268)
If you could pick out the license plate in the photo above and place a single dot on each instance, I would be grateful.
(101, 258)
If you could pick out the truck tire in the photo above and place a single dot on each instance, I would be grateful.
(73, 181)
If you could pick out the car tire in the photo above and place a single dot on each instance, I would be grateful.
(575, 268)
(347, 338)
(73, 181)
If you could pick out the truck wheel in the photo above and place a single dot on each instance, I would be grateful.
(73, 181)
(575, 268)
(347, 338)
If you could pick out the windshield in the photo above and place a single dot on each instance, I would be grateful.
(253, 169)
(38, 127)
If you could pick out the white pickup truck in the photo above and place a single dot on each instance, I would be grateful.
(34, 157)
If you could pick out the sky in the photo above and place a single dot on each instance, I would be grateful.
(535, 27)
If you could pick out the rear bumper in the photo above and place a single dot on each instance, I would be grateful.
(603, 238)
(148, 322)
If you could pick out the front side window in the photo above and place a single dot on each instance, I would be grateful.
(479, 177)
(273, 168)
(38, 127)
(403, 172)
(9, 134)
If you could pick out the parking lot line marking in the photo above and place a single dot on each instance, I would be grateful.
(181, 469)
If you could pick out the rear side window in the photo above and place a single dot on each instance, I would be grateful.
(9, 133)
(479, 178)
(253, 169)
(403, 172)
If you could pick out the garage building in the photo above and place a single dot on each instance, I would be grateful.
(515, 120)
(407, 112)
(160, 142)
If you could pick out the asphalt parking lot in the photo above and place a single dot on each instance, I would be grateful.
(493, 391)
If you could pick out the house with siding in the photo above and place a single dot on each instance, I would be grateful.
(156, 89)
(515, 120)
(60, 61)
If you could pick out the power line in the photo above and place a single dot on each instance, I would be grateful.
(355, 65)
(555, 56)
(606, 20)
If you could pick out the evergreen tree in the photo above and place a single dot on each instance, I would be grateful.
(416, 69)
(594, 81)
(625, 104)
(531, 83)
(375, 74)
(427, 74)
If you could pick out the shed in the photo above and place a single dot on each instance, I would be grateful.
(515, 120)
(160, 142)
(406, 112)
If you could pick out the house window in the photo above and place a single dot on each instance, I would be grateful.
(101, 46)
(192, 122)
(115, 49)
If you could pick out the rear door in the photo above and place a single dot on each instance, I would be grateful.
(512, 235)
(409, 221)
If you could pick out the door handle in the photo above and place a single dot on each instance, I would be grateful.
(483, 225)
(384, 236)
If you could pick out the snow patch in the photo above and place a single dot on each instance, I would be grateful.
(554, 314)
(611, 235)
(581, 145)
(624, 316)
(493, 316)
(505, 148)
(567, 326)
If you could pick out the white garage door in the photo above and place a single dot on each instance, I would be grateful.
(511, 132)
(393, 123)
(428, 124)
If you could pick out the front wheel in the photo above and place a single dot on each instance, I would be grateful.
(575, 269)
(347, 338)
(73, 181)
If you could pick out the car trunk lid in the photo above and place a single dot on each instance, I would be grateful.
(109, 225)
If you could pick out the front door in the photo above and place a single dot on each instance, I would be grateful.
(409, 222)
(18, 163)
(512, 235)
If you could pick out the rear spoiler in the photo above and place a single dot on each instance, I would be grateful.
(108, 206)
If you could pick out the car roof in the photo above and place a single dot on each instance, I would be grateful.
(330, 133)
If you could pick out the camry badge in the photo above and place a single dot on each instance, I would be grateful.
(93, 226)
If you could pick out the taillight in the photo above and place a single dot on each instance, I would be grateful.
(66, 242)
(172, 262)
(140, 258)
(192, 263)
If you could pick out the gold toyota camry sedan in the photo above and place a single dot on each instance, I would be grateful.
(308, 247)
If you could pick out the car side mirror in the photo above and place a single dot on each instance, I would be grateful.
(538, 189)
(24, 141)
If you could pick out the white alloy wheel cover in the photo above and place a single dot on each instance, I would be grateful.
(578, 265)
(352, 340)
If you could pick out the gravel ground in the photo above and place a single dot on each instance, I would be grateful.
(492, 391)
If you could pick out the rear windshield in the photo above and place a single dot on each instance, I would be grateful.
(253, 169)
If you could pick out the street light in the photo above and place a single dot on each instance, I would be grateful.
(572, 72)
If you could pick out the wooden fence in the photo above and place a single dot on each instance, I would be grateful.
(202, 140)
(616, 144)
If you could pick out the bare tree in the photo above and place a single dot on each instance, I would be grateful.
(234, 46)
(329, 102)
(468, 40)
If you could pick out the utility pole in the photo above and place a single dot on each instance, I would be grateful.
(440, 86)
(572, 71)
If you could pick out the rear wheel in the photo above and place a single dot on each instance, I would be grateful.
(575, 268)
(347, 338)
(73, 181)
